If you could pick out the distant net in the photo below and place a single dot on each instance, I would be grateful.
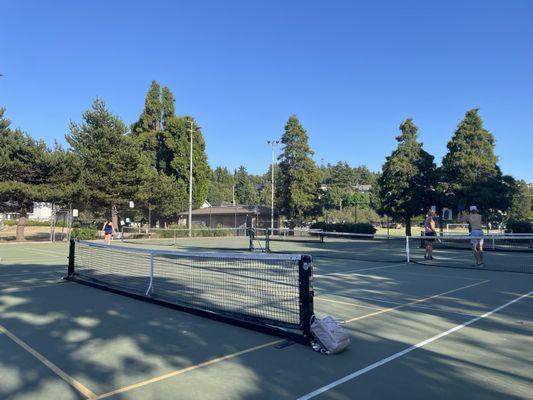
(511, 253)
(289, 235)
(340, 245)
(200, 238)
(267, 292)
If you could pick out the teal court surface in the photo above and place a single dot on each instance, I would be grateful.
(417, 332)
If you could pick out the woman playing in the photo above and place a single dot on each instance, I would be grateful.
(109, 230)
(430, 230)
(476, 232)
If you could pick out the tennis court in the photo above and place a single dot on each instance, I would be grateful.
(418, 330)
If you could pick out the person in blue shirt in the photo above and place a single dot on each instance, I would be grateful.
(109, 230)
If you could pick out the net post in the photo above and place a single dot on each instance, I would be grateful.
(305, 272)
(151, 282)
(250, 232)
(71, 252)
(407, 251)
(267, 240)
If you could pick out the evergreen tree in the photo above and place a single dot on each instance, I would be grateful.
(24, 169)
(298, 187)
(221, 186)
(147, 129)
(245, 192)
(176, 148)
(470, 174)
(407, 178)
(341, 175)
(522, 203)
(109, 158)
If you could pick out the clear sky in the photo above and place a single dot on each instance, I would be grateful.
(350, 70)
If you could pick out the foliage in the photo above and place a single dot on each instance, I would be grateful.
(407, 179)
(515, 226)
(522, 203)
(175, 161)
(470, 174)
(350, 214)
(345, 227)
(221, 186)
(84, 233)
(245, 192)
(297, 189)
(108, 156)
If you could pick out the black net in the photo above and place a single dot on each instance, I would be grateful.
(339, 245)
(494, 252)
(266, 289)
(197, 238)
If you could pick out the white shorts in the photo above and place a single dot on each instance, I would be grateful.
(478, 234)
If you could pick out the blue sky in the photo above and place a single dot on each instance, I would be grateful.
(351, 71)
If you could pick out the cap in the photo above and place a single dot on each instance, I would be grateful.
(473, 208)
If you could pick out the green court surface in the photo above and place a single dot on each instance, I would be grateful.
(417, 331)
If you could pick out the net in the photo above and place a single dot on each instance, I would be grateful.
(511, 253)
(266, 292)
(340, 245)
(201, 238)
(289, 235)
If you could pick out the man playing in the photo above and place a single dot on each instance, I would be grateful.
(476, 232)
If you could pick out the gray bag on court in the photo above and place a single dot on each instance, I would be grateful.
(329, 336)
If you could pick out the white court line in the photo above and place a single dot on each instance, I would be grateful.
(408, 350)
(351, 271)
(321, 297)
(48, 252)
(22, 288)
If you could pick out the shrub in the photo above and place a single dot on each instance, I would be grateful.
(345, 227)
(84, 233)
(514, 226)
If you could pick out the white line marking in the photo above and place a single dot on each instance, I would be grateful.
(415, 306)
(408, 350)
(48, 252)
(351, 271)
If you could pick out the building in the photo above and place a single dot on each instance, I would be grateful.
(40, 211)
(227, 215)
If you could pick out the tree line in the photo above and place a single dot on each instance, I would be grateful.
(107, 164)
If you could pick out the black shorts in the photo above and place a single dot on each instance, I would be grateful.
(430, 234)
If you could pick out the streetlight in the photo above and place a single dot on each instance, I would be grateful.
(190, 182)
(272, 143)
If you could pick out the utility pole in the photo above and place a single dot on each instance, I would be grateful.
(272, 143)
(190, 183)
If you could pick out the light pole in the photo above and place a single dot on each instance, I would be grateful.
(272, 143)
(190, 183)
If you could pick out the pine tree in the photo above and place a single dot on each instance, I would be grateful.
(297, 190)
(147, 129)
(109, 158)
(407, 178)
(245, 192)
(470, 174)
(176, 147)
(24, 169)
(221, 186)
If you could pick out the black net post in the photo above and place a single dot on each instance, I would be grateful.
(71, 252)
(305, 271)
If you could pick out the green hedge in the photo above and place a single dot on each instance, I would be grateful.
(519, 227)
(84, 233)
(29, 222)
(345, 227)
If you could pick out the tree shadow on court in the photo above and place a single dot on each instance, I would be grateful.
(108, 341)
